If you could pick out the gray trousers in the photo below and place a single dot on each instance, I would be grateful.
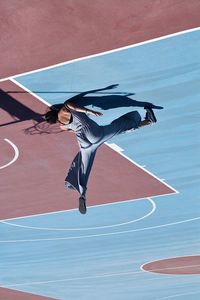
(78, 174)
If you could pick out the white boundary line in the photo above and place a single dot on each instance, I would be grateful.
(87, 228)
(89, 207)
(29, 91)
(178, 295)
(101, 234)
(103, 53)
(139, 166)
(72, 279)
(16, 151)
(80, 279)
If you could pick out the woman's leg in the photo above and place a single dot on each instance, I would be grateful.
(78, 174)
(145, 122)
(126, 122)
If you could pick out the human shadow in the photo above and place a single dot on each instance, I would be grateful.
(107, 102)
(19, 112)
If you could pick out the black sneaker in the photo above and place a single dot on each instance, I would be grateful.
(150, 114)
(82, 205)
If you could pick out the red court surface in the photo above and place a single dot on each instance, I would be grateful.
(36, 34)
(187, 265)
(44, 159)
(7, 294)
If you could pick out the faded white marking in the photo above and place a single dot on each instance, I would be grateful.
(16, 155)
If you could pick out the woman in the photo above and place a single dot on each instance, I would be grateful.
(90, 136)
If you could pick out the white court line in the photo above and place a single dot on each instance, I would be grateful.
(141, 167)
(16, 151)
(101, 234)
(179, 295)
(104, 53)
(85, 278)
(115, 147)
(29, 91)
(89, 207)
(87, 228)
(72, 279)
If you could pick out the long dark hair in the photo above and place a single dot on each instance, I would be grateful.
(51, 116)
(45, 125)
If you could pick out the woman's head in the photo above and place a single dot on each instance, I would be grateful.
(51, 116)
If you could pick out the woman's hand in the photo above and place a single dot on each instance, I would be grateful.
(63, 127)
(94, 113)
(110, 87)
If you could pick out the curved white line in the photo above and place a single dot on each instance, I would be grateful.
(178, 295)
(86, 278)
(86, 228)
(15, 156)
(71, 279)
(166, 258)
(156, 271)
(101, 234)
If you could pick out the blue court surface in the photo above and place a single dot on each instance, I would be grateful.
(100, 256)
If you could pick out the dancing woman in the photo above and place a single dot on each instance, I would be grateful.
(90, 137)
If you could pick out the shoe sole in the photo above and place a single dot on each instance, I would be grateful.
(150, 114)
(82, 206)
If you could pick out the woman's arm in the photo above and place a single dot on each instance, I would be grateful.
(75, 107)
(99, 90)
(79, 96)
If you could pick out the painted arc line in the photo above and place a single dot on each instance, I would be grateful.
(101, 234)
(17, 285)
(15, 156)
(86, 228)
(179, 295)
(72, 279)
(178, 265)
(136, 273)
(89, 207)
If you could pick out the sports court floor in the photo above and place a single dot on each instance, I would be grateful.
(140, 239)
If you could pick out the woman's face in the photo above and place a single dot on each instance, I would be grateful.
(63, 114)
